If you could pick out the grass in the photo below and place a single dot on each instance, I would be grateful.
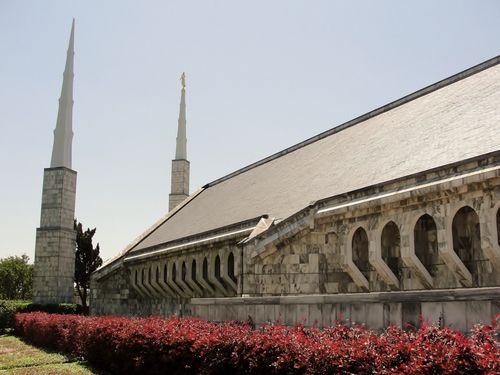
(19, 358)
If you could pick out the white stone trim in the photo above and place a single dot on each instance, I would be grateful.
(187, 245)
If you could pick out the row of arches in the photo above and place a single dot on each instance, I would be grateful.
(189, 277)
(466, 239)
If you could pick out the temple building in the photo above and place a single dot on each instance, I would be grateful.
(389, 217)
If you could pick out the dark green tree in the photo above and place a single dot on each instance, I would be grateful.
(16, 278)
(87, 260)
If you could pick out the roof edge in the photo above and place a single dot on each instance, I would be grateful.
(387, 107)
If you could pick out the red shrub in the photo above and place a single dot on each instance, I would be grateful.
(189, 345)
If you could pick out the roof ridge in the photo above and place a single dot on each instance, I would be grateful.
(373, 113)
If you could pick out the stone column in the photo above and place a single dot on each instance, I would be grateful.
(54, 268)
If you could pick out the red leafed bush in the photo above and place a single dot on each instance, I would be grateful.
(193, 346)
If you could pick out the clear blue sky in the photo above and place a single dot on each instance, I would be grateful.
(262, 75)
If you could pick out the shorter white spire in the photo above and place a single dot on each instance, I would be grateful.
(180, 149)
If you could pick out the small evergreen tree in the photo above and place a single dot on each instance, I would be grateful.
(16, 278)
(87, 260)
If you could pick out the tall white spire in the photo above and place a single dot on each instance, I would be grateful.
(180, 149)
(63, 133)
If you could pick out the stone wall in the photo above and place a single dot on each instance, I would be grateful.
(425, 246)
(457, 308)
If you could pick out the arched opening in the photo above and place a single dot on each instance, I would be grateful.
(165, 274)
(467, 236)
(230, 266)
(205, 270)
(135, 277)
(391, 248)
(157, 274)
(498, 226)
(142, 276)
(218, 269)
(183, 271)
(149, 275)
(360, 252)
(193, 270)
(426, 243)
(174, 273)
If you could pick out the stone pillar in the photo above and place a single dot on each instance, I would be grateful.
(54, 268)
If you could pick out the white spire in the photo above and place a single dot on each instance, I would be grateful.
(63, 133)
(180, 149)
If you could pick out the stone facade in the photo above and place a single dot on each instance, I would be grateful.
(426, 245)
(388, 218)
(54, 268)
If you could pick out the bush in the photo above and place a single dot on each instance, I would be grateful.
(9, 308)
(193, 346)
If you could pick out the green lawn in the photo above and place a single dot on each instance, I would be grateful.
(18, 358)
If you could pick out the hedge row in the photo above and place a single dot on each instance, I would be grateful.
(9, 308)
(193, 346)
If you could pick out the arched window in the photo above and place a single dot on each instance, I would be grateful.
(360, 251)
(217, 268)
(183, 271)
(193, 270)
(426, 243)
(165, 274)
(391, 247)
(466, 236)
(230, 266)
(174, 272)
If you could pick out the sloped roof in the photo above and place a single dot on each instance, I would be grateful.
(453, 120)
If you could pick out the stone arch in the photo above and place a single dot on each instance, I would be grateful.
(205, 269)
(426, 242)
(230, 266)
(217, 266)
(466, 234)
(193, 270)
(183, 271)
(390, 242)
(174, 272)
(360, 255)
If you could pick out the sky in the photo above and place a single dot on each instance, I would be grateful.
(261, 76)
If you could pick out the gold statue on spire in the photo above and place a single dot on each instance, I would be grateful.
(183, 80)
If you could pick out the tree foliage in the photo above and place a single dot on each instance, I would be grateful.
(16, 278)
(87, 260)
